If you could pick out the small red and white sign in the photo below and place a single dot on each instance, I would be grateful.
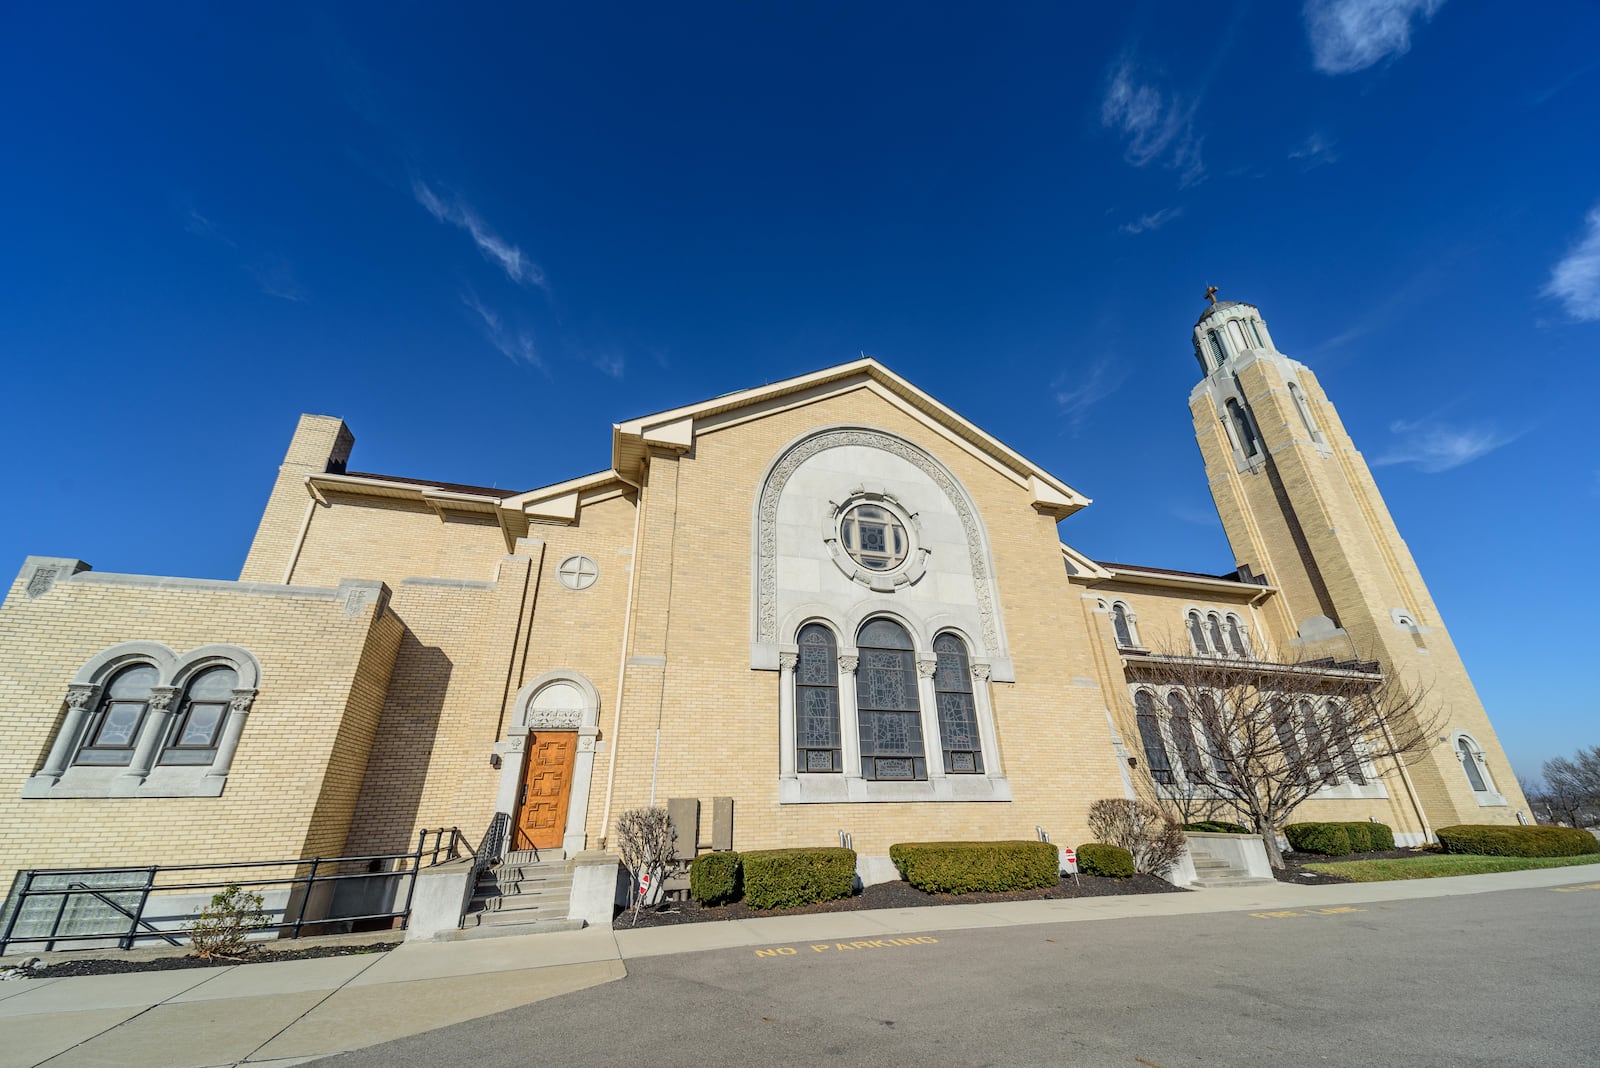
(1069, 860)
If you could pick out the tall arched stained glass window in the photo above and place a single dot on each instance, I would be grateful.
(1219, 645)
(1236, 637)
(1212, 730)
(816, 701)
(886, 704)
(1317, 744)
(1182, 730)
(1155, 749)
(958, 716)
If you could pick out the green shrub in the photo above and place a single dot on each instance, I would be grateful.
(1360, 836)
(1098, 858)
(786, 878)
(1216, 827)
(714, 878)
(1328, 839)
(1382, 836)
(975, 867)
(1496, 841)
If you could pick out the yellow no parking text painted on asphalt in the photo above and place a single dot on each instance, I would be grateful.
(1573, 889)
(1290, 914)
(848, 947)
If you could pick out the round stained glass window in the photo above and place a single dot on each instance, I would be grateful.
(874, 537)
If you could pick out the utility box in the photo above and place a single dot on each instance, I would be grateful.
(685, 815)
(721, 823)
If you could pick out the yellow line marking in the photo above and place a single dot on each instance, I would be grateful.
(1572, 889)
(848, 947)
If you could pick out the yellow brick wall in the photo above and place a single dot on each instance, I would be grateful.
(292, 784)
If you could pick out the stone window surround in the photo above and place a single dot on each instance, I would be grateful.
(766, 626)
(513, 750)
(906, 573)
(143, 776)
(1181, 787)
(1227, 617)
(1129, 616)
(800, 788)
(1491, 797)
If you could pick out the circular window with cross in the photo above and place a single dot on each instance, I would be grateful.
(578, 572)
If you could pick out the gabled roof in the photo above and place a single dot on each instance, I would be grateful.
(676, 428)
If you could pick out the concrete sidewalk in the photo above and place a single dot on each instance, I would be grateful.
(292, 1011)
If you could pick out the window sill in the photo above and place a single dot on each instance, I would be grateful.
(166, 781)
(841, 789)
(1490, 799)
(1350, 791)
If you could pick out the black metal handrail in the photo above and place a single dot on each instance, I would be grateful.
(447, 844)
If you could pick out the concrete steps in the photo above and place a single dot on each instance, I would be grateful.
(520, 895)
(1213, 873)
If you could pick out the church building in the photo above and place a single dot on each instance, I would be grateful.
(825, 605)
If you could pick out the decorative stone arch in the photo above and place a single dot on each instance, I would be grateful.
(100, 667)
(559, 700)
(242, 661)
(766, 634)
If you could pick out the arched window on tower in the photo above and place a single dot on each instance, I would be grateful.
(1155, 749)
(1122, 624)
(1300, 406)
(1217, 350)
(887, 706)
(816, 704)
(1469, 764)
(1241, 423)
(1255, 328)
(1236, 332)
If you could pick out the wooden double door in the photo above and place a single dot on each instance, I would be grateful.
(541, 819)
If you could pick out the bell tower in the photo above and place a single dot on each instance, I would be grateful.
(1300, 507)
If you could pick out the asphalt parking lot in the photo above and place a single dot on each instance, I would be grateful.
(1509, 978)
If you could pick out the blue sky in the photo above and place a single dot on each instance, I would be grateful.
(482, 235)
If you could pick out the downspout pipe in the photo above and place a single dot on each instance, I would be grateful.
(622, 658)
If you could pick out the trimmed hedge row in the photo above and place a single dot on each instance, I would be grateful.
(786, 878)
(1216, 827)
(1098, 858)
(1340, 839)
(976, 867)
(714, 878)
(1496, 841)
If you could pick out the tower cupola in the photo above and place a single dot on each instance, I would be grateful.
(1226, 331)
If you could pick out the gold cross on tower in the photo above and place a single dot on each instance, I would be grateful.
(1211, 294)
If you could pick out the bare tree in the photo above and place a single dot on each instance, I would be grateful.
(645, 839)
(1153, 837)
(1260, 736)
(1571, 790)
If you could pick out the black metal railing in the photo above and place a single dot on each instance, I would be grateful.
(102, 904)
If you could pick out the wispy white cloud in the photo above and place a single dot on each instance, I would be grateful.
(275, 277)
(514, 344)
(1315, 151)
(496, 249)
(1432, 447)
(1154, 221)
(1078, 393)
(1575, 280)
(1351, 35)
(610, 364)
(1157, 126)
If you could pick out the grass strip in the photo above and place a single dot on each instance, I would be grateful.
(1439, 865)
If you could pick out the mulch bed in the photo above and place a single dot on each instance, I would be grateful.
(1293, 870)
(898, 895)
(114, 966)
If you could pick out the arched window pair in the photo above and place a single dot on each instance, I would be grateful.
(1217, 635)
(888, 704)
(1171, 731)
(1322, 739)
(144, 721)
